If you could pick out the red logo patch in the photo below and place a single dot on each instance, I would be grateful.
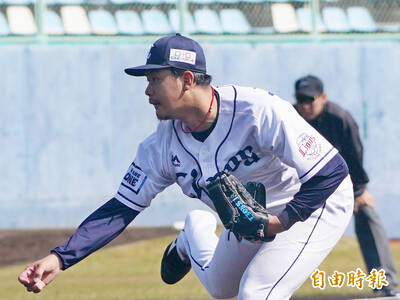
(308, 146)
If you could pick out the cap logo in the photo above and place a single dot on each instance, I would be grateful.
(185, 56)
(303, 84)
(149, 54)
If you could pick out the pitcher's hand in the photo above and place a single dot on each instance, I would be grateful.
(40, 273)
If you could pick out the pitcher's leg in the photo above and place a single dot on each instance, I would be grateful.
(220, 262)
(281, 266)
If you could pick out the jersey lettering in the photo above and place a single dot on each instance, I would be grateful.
(246, 155)
(132, 180)
(179, 174)
(195, 186)
(132, 177)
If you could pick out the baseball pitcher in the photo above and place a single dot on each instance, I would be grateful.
(281, 190)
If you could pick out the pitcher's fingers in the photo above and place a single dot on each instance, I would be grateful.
(37, 287)
(25, 276)
(38, 270)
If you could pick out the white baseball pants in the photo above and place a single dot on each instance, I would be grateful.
(274, 270)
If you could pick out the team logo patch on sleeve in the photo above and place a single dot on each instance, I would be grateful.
(308, 146)
(135, 178)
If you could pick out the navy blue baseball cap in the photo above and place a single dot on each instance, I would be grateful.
(308, 86)
(172, 51)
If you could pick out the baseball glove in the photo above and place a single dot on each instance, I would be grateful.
(239, 207)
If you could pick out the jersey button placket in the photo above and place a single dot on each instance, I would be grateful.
(207, 163)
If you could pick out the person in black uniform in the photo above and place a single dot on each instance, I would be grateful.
(340, 129)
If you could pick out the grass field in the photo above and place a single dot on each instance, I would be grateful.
(131, 272)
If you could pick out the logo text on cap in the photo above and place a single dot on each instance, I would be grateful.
(184, 56)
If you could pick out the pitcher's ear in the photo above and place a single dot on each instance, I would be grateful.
(188, 79)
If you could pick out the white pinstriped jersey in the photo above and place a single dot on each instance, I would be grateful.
(258, 137)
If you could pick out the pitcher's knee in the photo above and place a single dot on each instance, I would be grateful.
(200, 219)
(219, 293)
(250, 289)
(247, 292)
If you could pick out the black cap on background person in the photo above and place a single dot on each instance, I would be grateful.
(310, 97)
(308, 86)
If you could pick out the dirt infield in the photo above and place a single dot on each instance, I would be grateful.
(25, 246)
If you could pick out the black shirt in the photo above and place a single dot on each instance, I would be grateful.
(340, 129)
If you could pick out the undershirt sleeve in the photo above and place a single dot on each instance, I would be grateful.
(97, 230)
(314, 192)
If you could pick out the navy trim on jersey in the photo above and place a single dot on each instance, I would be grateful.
(194, 260)
(136, 166)
(126, 198)
(297, 257)
(139, 188)
(316, 163)
(194, 158)
(229, 131)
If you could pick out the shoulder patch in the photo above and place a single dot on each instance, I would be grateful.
(309, 147)
(135, 178)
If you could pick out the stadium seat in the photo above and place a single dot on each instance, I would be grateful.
(286, 1)
(128, 22)
(390, 27)
(102, 22)
(233, 21)
(75, 20)
(207, 21)
(155, 2)
(201, 2)
(52, 23)
(263, 30)
(360, 19)
(17, 2)
(155, 22)
(227, 1)
(254, 1)
(64, 2)
(96, 2)
(284, 17)
(21, 20)
(335, 19)
(304, 19)
(173, 17)
(122, 2)
(4, 29)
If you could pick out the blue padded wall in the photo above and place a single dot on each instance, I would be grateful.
(71, 120)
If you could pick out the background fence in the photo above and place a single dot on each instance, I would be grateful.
(136, 20)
